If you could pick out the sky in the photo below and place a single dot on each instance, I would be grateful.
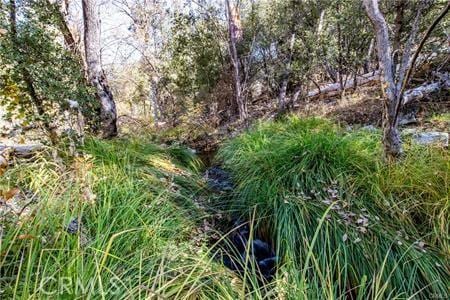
(114, 31)
(116, 38)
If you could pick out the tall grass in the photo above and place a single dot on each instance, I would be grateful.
(345, 224)
(136, 232)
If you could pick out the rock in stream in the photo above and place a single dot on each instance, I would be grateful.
(241, 249)
(219, 179)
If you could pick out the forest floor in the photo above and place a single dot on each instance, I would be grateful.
(359, 108)
(365, 108)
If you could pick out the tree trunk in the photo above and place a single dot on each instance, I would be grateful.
(286, 75)
(25, 150)
(368, 60)
(391, 137)
(430, 29)
(96, 75)
(333, 89)
(60, 14)
(414, 94)
(235, 34)
(392, 143)
(399, 7)
(296, 95)
(320, 25)
(154, 103)
(424, 91)
(393, 86)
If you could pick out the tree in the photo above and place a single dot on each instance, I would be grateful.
(96, 75)
(393, 78)
(235, 36)
(146, 18)
(38, 102)
(58, 9)
(39, 78)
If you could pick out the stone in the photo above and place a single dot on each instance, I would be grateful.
(369, 128)
(74, 226)
(257, 89)
(431, 138)
(232, 263)
(261, 250)
(218, 179)
(242, 250)
(409, 131)
(267, 267)
(407, 120)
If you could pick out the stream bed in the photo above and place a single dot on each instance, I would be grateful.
(243, 250)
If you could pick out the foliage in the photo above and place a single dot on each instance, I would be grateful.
(348, 222)
(52, 71)
(333, 44)
(135, 204)
(343, 223)
(196, 54)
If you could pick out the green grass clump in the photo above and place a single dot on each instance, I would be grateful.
(135, 202)
(345, 223)
(445, 117)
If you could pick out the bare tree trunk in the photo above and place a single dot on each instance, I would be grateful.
(154, 103)
(235, 34)
(333, 89)
(436, 21)
(393, 84)
(368, 59)
(414, 94)
(286, 75)
(283, 90)
(59, 11)
(60, 14)
(108, 114)
(391, 137)
(399, 7)
(296, 95)
(424, 90)
(320, 25)
(22, 150)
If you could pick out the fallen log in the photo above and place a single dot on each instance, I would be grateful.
(26, 150)
(413, 94)
(424, 90)
(333, 89)
(421, 92)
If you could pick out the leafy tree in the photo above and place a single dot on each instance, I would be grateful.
(195, 60)
(38, 75)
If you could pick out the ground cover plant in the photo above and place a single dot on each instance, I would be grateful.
(344, 222)
(116, 222)
(224, 149)
(124, 218)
